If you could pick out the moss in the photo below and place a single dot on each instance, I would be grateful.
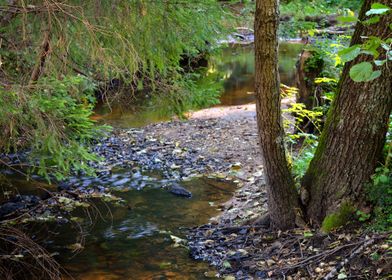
(339, 218)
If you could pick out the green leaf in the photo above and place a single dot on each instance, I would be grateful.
(363, 72)
(372, 20)
(384, 179)
(375, 75)
(371, 45)
(226, 264)
(342, 276)
(350, 53)
(378, 9)
(380, 62)
(347, 19)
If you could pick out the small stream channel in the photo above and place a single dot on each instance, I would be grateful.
(134, 242)
(235, 67)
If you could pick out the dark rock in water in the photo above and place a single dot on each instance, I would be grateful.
(64, 186)
(18, 203)
(10, 207)
(176, 189)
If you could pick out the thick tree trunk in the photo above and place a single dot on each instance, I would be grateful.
(282, 196)
(352, 140)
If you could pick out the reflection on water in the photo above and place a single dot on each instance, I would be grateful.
(135, 243)
(238, 67)
(233, 66)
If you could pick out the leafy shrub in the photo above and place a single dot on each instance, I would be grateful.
(302, 145)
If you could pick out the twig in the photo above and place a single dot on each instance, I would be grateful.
(359, 249)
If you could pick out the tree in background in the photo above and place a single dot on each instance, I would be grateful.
(282, 198)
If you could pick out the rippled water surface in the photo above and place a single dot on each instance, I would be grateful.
(131, 241)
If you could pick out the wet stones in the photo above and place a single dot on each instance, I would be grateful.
(176, 189)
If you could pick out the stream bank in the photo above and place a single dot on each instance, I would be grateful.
(141, 162)
(238, 247)
(225, 140)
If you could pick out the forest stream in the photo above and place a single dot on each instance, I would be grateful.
(136, 242)
(236, 67)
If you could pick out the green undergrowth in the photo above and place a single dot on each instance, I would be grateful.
(140, 43)
(302, 8)
(51, 120)
(380, 189)
(300, 13)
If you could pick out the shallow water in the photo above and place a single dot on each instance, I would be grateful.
(238, 67)
(134, 242)
(234, 67)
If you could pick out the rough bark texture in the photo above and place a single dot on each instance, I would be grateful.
(282, 196)
(352, 140)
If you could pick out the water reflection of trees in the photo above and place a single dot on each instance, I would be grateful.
(236, 67)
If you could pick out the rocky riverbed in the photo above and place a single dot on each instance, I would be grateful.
(222, 143)
(218, 143)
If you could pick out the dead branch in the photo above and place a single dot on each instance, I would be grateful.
(333, 272)
(39, 66)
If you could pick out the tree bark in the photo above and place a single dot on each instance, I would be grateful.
(283, 200)
(352, 140)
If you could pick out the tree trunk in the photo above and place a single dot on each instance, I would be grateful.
(283, 200)
(352, 140)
